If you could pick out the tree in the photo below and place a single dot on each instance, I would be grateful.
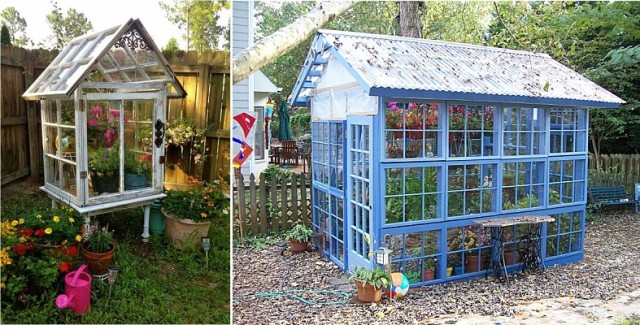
(454, 21)
(5, 38)
(200, 20)
(172, 45)
(16, 26)
(287, 38)
(66, 27)
(409, 19)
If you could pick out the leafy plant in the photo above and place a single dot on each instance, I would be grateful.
(100, 240)
(430, 264)
(300, 232)
(377, 277)
(104, 160)
(134, 165)
(202, 202)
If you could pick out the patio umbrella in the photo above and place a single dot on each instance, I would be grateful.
(283, 118)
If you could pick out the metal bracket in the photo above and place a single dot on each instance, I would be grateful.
(161, 160)
(83, 175)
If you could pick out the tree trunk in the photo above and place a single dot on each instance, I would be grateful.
(410, 19)
(285, 39)
(596, 149)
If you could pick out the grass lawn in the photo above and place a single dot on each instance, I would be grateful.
(156, 283)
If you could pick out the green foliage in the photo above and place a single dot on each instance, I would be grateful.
(100, 240)
(299, 232)
(5, 38)
(301, 122)
(200, 20)
(172, 45)
(133, 165)
(259, 242)
(377, 277)
(454, 21)
(16, 26)
(105, 160)
(202, 202)
(66, 27)
(278, 173)
(52, 226)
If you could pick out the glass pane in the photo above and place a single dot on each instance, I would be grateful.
(61, 175)
(138, 135)
(67, 112)
(51, 140)
(103, 140)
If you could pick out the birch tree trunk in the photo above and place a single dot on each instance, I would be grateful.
(271, 47)
(410, 19)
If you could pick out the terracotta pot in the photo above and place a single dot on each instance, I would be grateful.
(472, 263)
(184, 232)
(429, 274)
(98, 262)
(367, 293)
(297, 246)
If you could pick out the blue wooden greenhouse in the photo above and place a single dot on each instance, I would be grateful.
(416, 141)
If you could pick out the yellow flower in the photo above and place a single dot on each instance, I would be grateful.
(48, 231)
(78, 238)
(202, 214)
(367, 239)
(22, 239)
(56, 219)
(14, 223)
(64, 242)
(71, 220)
(21, 221)
(38, 216)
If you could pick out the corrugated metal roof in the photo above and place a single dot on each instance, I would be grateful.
(388, 62)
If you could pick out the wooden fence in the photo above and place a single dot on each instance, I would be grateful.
(205, 77)
(270, 205)
(616, 170)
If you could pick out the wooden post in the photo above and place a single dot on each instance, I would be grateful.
(254, 206)
(241, 203)
(294, 199)
(263, 204)
(275, 221)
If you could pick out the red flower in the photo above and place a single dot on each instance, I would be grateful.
(39, 233)
(20, 249)
(30, 246)
(27, 233)
(65, 267)
(71, 251)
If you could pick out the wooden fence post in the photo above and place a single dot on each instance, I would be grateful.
(241, 203)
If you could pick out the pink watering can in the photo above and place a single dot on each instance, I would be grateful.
(77, 291)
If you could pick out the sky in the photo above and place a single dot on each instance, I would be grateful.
(101, 14)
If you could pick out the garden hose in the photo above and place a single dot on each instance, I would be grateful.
(294, 294)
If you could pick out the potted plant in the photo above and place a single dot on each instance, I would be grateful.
(189, 213)
(298, 237)
(429, 269)
(57, 229)
(104, 165)
(370, 283)
(98, 249)
(136, 172)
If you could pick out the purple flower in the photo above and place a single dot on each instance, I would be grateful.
(96, 111)
(115, 113)
(109, 138)
(391, 104)
(393, 107)
(93, 122)
(413, 106)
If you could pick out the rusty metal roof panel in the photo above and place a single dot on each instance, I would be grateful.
(389, 62)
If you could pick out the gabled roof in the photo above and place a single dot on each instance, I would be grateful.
(416, 68)
(262, 83)
(120, 54)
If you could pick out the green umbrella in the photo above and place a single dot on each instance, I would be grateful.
(285, 129)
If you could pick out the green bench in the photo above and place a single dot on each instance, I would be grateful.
(610, 196)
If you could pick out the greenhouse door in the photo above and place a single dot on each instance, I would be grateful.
(359, 167)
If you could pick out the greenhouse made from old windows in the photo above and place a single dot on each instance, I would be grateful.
(103, 106)
(415, 140)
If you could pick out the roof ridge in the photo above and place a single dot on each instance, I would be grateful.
(433, 42)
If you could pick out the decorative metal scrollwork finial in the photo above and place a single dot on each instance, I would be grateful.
(133, 40)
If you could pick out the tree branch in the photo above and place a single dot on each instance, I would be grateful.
(495, 5)
(285, 39)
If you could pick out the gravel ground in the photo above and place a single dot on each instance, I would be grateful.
(610, 268)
